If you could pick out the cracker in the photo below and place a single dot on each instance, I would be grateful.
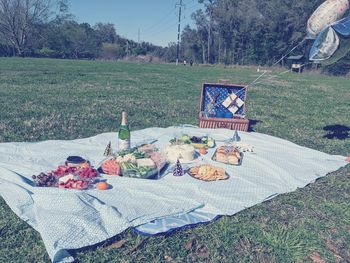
(208, 172)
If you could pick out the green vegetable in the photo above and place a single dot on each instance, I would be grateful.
(144, 171)
(211, 143)
(131, 170)
(128, 166)
(124, 152)
(185, 138)
(139, 155)
(133, 151)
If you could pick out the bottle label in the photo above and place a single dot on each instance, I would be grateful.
(124, 144)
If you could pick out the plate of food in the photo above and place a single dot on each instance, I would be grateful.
(77, 173)
(208, 173)
(144, 162)
(187, 149)
(228, 154)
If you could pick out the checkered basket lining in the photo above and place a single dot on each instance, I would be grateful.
(224, 92)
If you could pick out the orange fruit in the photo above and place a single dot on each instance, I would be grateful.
(102, 186)
(203, 151)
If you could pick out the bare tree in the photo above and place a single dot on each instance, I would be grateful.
(209, 10)
(17, 18)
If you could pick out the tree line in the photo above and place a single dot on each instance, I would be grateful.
(44, 28)
(249, 31)
(225, 31)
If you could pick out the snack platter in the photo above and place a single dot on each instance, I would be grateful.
(144, 162)
(77, 173)
(208, 173)
(228, 154)
(187, 148)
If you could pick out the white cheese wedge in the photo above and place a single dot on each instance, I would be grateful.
(185, 153)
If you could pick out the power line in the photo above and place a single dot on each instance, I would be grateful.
(158, 32)
(160, 21)
(163, 25)
(163, 29)
(167, 21)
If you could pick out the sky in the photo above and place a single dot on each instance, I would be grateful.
(156, 19)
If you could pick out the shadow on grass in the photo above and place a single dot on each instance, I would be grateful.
(337, 131)
(252, 124)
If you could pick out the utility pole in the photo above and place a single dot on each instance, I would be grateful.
(127, 48)
(178, 33)
(138, 36)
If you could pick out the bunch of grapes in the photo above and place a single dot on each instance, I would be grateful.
(44, 180)
(195, 139)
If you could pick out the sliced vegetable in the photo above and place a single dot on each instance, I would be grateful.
(211, 143)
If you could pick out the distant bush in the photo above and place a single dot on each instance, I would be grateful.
(112, 51)
(47, 52)
(143, 58)
(6, 50)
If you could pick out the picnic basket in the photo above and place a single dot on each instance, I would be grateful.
(223, 105)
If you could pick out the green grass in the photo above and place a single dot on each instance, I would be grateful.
(61, 99)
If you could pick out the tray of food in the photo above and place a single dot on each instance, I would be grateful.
(144, 162)
(228, 154)
(208, 173)
(186, 149)
(77, 173)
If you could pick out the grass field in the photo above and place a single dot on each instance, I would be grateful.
(61, 99)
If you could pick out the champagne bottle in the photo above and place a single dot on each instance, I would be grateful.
(124, 134)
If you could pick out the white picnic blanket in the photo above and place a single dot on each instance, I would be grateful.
(71, 219)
